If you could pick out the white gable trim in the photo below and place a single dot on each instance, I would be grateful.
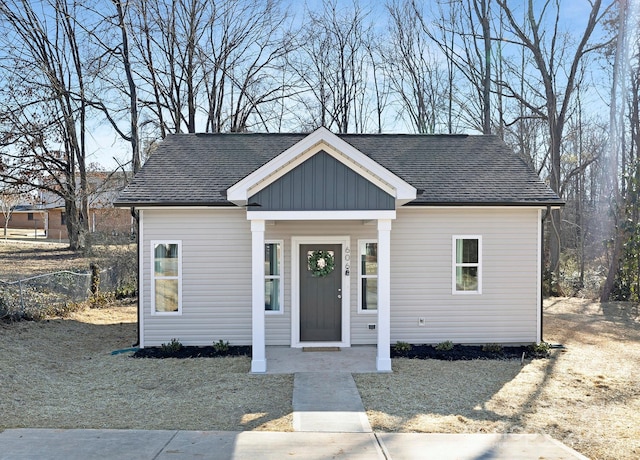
(321, 139)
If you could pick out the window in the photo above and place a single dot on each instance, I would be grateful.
(166, 285)
(467, 266)
(368, 276)
(273, 288)
(29, 216)
(63, 218)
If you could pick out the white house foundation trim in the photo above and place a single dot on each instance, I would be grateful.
(258, 353)
(383, 361)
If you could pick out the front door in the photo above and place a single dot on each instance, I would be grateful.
(320, 293)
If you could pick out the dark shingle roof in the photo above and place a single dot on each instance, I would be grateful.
(197, 169)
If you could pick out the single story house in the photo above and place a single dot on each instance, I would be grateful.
(338, 240)
(49, 217)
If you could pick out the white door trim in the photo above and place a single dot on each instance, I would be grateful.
(296, 241)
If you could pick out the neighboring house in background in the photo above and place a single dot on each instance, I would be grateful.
(49, 215)
(338, 240)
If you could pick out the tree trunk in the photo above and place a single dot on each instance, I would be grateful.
(614, 266)
(619, 65)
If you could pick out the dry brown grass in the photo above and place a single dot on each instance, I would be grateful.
(20, 259)
(587, 396)
(61, 374)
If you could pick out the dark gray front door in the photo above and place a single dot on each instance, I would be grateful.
(320, 295)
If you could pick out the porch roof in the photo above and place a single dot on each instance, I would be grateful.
(447, 170)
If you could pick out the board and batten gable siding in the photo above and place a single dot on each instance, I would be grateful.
(216, 276)
(322, 183)
(421, 276)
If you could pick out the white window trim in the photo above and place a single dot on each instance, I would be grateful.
(280, 277)
(154, 278)
(361, 249)
(454, 290)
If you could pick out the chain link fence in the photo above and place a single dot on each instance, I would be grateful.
(61, 292)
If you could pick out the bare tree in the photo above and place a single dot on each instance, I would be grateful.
(9, 199)
(381, 83)
(333, 62)
(465, 39)
(415, 74)
(44, 129)
(549, 56)
(621, 202)
(110, 58)
(213, 63)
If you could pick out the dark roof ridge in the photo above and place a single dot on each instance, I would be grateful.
(459, 135)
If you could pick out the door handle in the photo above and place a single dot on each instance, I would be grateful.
(339, 296)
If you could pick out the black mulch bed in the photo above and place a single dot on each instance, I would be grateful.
(192, 352)
(457, 353)
(466, 353)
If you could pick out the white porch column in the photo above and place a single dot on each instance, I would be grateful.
(258, 353)
(383, 363)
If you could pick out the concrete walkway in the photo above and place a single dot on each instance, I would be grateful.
(328, 402)
(30, 444)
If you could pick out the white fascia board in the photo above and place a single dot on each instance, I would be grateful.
(320, 215)
(321, 139)
(476, 207)
(187, 208)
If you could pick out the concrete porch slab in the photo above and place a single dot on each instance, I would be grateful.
(287, 360)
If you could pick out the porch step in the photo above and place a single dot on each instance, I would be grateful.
(328, 402)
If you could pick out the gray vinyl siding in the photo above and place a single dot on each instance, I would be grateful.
(216, 276)
(319, 184)
(421, 276)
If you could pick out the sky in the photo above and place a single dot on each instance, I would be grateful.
(107, 149)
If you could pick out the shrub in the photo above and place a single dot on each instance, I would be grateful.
(402, 347)
(120, 267)
(101, 299)
(447, 345)
(492, 348)
(172, 347)
(221, 346)
(539, 350)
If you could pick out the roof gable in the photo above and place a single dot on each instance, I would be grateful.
(321, 183)
(321, 140)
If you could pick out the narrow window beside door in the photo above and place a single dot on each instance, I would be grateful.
(273, 288)
(368, 276)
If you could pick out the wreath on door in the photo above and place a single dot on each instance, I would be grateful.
(321, 263)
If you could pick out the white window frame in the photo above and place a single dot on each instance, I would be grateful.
(154, 278)
(362, 244)
(279, 277)
(455, 265)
